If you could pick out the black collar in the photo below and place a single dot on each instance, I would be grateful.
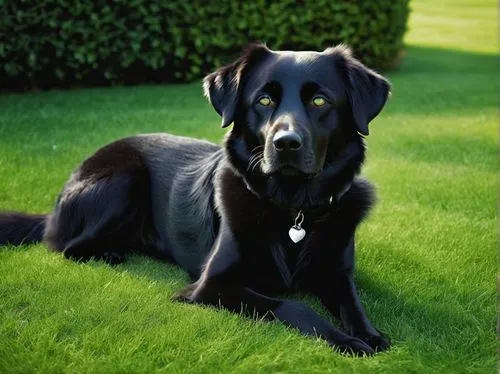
(332, 201)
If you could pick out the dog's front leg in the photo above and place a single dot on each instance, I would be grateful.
(221, 285)
(345, 304)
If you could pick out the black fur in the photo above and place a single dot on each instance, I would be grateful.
(104, 210)
(20, 228)
(223, 214)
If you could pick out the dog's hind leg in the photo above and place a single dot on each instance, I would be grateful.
(104, 219)
(104, 210)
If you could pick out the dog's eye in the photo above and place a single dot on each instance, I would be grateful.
(265, 100)
(318, 101)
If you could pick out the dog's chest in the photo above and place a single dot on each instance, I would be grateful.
(289, 258)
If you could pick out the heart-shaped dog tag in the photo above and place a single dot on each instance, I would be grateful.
(296, 233)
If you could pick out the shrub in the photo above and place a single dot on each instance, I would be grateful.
(49, 43)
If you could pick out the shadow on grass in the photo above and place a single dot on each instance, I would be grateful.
(430, 326)
(442, 81)
(157, 270)
(421, 59)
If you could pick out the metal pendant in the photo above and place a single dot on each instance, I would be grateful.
(296, 232)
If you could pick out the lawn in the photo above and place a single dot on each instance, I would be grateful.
(426, 256)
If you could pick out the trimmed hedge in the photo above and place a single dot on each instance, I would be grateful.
(54, 43)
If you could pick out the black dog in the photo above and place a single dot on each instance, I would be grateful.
(274, 210)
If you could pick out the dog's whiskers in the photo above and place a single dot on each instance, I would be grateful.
(255, 162)
(259, 161)
(256, 158)
(257, 148)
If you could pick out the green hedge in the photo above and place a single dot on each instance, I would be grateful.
(53, 43)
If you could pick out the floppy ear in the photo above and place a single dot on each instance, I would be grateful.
(222, 87)
(367, 91)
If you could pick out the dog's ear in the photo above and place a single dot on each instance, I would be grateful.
(222, 88)
(367, 91)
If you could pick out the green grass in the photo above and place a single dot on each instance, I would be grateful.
(426, 256)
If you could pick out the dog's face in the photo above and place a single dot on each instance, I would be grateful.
(291, 102)
(294, 111)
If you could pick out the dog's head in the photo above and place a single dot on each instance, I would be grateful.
(294, 111)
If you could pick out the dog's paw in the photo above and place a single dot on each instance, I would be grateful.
(185, 295)
(378, 343)
(354, 346)
(113, 258)
(181, 298)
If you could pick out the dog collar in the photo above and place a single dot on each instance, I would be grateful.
(297, 232)
(333, 200)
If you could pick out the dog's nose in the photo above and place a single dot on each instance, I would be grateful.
(287, 141)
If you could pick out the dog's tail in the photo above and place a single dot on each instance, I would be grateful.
(21, 228)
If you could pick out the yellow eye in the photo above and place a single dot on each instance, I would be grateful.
(265, 100)
(318, 101)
